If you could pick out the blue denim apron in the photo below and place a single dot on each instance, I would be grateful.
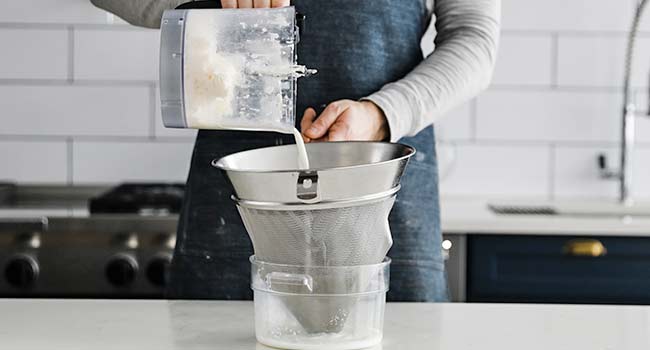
(357, 46)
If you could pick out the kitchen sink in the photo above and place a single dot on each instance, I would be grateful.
(595, 208)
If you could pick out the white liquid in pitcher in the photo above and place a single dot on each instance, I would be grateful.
(303, 159)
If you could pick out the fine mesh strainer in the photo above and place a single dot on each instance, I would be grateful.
(347, 236)
(334, 214)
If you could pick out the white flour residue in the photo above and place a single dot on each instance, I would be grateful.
(211, 77)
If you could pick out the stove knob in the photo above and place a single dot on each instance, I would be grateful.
(22, 271)
(121, 270)
(158, 270)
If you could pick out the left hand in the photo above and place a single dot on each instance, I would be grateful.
(346, 120)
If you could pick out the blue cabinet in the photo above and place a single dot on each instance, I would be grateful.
(558, 269)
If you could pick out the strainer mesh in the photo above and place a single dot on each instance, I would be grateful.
(348, 236)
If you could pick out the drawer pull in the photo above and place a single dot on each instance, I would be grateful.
(585, 248)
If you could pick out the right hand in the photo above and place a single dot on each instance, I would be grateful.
(243, 4)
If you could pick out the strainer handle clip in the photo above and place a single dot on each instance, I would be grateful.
(307, 186)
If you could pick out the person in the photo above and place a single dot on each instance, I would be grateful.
(376, 85)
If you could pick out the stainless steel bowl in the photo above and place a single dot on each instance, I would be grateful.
(341, 173)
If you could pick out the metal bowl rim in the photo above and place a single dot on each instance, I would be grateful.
(218, 163)
(323, 205)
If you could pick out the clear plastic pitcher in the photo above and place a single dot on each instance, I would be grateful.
(342, 307)
(229, 69)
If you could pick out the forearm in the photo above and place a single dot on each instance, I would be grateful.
(460, 67)
(144, 13)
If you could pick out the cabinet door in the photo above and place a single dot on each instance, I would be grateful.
(454, 248)
(558, 269)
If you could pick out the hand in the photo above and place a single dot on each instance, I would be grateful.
(242, 4)
(346, 120)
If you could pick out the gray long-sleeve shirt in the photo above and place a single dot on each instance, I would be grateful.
(458, 69)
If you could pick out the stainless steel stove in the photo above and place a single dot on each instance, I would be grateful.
(87, 242)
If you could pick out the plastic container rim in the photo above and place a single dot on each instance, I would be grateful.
(387, 261)
(254, 261)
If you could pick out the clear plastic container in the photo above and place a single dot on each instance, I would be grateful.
(229, 69)
(319, 307)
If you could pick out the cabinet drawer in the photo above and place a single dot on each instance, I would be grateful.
(558, 269)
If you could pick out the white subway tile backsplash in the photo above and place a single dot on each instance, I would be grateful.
(485, 170)
(52, 11)
(554, 98)
(599, 61)
(427, 41)
(110, 162)
(640, 185)
(548, 115)
(644, 25)
(75, 110)
(567, 15)
(34, 54)
(33, 161)
(524, 60)
(116, 54)
(457, 124)
(576, 172)
(643, 121)
(446, 157)
(643, 130)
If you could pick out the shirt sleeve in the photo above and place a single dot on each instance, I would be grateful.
(143, 13)
(459, 68)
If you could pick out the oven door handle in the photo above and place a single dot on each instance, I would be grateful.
(23, 225)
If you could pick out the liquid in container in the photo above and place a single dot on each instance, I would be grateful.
(342, 307)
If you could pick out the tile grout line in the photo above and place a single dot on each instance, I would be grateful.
(644, 33)
(128, 28)
(70, 154)
(548, 88)
(146, 83)
(473, 120)
(71, 48)
(551, 180)
(645, 145)
(77, 82)
(642, 97)
(152, 111)
(442, 176)
(64, 25)
(94, 138)
(555, 59)
(543, 143)
(576, 33)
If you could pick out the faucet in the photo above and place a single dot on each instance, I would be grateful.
(624, 173)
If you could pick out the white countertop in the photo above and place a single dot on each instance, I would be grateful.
(161, 325)
(460, 215)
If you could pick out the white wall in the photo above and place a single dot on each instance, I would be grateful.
(78, 101)
(553, 106)
(78, 98)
